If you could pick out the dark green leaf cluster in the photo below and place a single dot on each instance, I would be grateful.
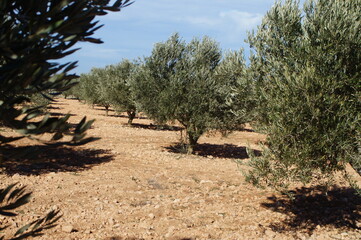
(307, 69)
(33, 35)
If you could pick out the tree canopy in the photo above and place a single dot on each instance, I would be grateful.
(186, 82)
(33, 36)
(306, 66)
(120, 95)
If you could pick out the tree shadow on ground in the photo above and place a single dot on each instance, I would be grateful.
(215, 150)
(156, 127)
(101, 108)
(42, 159)
(339, 207)
(55, 114)
(55, 102)
(52, 107)
(247, 130)
(124, 115)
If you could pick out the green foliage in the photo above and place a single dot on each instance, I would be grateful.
(102, 84)
(307, 69)
(119, 94)
(190, 83)
(72, 92)
(109, 86)
(33, 35)
(94, 86)
(38, 100)
(236, 90)
(86, 89)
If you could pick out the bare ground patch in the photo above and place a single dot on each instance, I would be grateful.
(132, 184)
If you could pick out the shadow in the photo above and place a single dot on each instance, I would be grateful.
(311, 207)
(247, 130)
(155, 127)
(55, 102)
(42, 159)
(52, 107)
(72, 126)
(116, 115)
(55, 114)
(101, 108)
(120, 116)
(215, 150)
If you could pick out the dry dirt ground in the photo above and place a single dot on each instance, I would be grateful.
(130, 184)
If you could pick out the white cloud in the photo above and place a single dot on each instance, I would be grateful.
(201, 21)
(244, 20)
(132, 32)
(229, 26)
(225, 20)
(228, 19)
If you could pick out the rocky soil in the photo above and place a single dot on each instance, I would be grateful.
(132, 184)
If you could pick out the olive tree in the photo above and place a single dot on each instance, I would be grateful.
(109, 86)
(103, 84)
(33, 35)
(307, 68)
(93, 88)
(185, 82)
(86, 89)
(119, 94)
(236, 89)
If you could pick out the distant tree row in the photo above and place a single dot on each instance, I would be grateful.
(301, 88)
(192, 83)
(109, 86)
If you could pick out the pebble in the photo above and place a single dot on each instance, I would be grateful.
(205, 181)
(55, 208)
(67, 228)
(269, 233)
(16, 175)
(111, 221)
(170, 232)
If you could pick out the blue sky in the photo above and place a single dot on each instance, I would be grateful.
(132, 32)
